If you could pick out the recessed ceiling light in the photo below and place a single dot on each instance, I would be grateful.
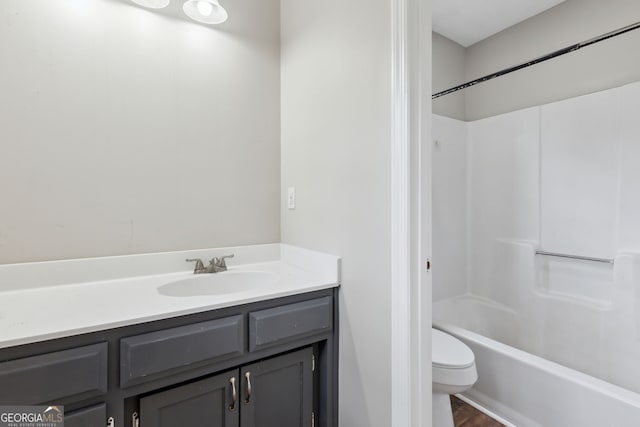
(205, 11)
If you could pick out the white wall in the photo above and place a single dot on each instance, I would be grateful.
(558, 176)
(563, 177)
(448, 71)
(601, 66)
(628, 229)
(450, 207)
(485, 189)
(504, 190)
(336, 111)
(579, 174)
(127, 131)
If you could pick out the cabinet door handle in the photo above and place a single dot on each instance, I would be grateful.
(234, 394)
(248, 377)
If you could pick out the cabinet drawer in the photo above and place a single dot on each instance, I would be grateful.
(53, 377)
(94, 416)
(157, 353)
(290, 322)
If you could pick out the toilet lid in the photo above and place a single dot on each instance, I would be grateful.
(449, 352)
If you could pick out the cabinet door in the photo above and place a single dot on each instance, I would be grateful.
(209, 402)
(278, 392)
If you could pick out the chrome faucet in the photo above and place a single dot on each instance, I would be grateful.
(216, 265)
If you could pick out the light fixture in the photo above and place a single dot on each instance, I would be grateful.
(152, 4)
(205, 11)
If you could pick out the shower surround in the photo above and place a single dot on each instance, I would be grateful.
(562, 178)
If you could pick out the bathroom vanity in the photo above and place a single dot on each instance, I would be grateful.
(246, 358)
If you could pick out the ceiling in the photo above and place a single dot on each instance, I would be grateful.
(468, 21)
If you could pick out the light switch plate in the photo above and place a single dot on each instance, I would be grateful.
(291, 198)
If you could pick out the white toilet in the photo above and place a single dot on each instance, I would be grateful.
(454, 371)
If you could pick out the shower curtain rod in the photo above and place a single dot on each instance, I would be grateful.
(552, 55)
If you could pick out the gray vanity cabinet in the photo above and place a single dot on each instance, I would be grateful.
(279, 354)
(276, 392)
(208, 402)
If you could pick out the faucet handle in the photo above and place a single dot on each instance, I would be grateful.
(222, 263)
(199, 264)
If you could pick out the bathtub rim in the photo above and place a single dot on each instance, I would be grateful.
(576, 377)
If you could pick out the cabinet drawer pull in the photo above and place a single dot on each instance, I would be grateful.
(248, 377)
(234, 394)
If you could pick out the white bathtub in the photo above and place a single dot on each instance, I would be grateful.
(530, 391)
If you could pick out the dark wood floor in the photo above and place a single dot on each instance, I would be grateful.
(465, 415)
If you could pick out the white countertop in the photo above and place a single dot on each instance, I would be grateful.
(46, 309)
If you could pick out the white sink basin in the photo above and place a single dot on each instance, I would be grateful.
(227, 282)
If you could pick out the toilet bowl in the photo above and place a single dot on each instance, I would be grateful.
(454, 371)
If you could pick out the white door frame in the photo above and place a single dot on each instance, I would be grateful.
(410, 213)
